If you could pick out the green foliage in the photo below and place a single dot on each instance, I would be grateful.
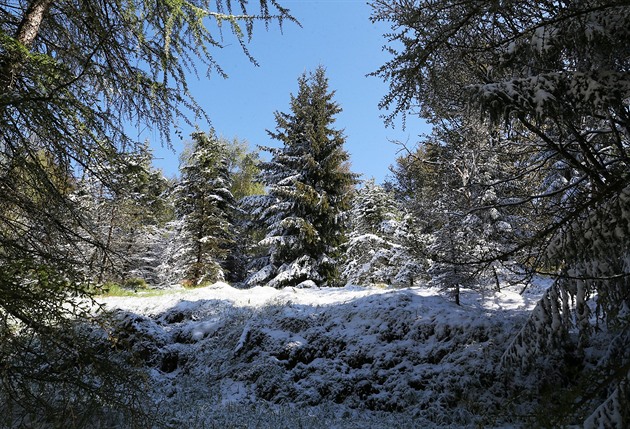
(135, 283)
(206, 206)
(116, 289)
(309, 189)
(243, 165)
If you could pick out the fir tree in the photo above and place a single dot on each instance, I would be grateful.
(309, 186)
(205, 205)
(122, 217)
(372, 206)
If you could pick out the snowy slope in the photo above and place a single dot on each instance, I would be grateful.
(342, 357)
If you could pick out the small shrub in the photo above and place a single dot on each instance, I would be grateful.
(136, 283)
(188, 284)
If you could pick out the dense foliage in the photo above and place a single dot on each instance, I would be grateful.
(548, 82)
(309, 190)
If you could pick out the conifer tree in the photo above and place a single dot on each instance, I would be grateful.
(120, 216)
(309, 186)
(205, 205)
(379, 249)
(243, 166)
(372, 206)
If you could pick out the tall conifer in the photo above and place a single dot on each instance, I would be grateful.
(206, 205)
(309, 186)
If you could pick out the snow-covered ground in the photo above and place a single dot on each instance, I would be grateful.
(332, 357)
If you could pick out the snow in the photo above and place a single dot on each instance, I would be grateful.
(324, 357)
(543, 38)
(256, 297)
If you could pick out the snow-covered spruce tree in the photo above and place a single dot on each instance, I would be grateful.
(377, 249)
(172, 243)
(552, 77)
(148, 254)
(309, 186)
(470, 227)
(451, 183)
(152, 208)
(205, 205)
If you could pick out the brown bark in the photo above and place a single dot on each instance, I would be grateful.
(26, 33)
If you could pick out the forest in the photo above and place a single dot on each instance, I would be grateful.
(484, 283)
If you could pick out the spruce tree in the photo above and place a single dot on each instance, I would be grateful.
(205, 205)
(120, 217)
(309, 186)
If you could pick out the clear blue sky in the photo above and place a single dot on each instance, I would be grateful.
(336, 34)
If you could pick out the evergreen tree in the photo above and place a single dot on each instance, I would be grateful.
(552, 79)
(378, 250)
(120, 217)
(244, 169)
(371, 207)
(205, 205)
(309, 190)
(453, 183)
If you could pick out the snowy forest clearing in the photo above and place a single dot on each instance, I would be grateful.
(525, 173)
(329, 357)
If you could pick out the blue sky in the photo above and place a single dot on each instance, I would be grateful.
(336, 34)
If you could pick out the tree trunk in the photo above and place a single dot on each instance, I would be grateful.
(108, 244)
(26, 33)
(456, 294)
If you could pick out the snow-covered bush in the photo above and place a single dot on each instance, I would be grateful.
(373, 354)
